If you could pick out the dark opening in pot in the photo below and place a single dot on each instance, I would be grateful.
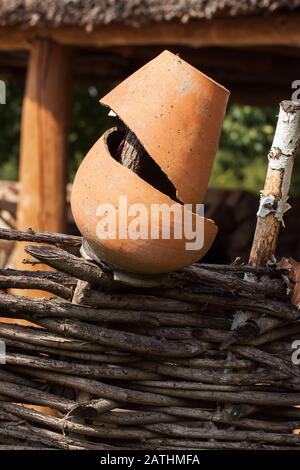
(126, 149)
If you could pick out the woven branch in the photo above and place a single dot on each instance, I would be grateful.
(146, 354)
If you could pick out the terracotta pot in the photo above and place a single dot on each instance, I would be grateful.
(101, 179)
(177, 114)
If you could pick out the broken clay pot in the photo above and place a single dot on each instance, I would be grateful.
(176, 114)
(101, 179)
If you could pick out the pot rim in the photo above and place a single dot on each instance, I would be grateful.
(178, 120)
(105, 136)
(105, 249)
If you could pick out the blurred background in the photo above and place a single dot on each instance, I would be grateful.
(250, 47)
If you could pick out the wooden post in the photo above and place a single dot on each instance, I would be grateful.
(43, 157)
(274, 196)
(44, 129)
(273, 205)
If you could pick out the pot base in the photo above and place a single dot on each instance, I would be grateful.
(128, 278)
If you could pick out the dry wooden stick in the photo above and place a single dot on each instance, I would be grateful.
(24, 447)
(215, 363)
(42, 337)
(49, 438)
(104, 390)
(272, 207)
(217, 377)
(40, 237)
(219, 417)
(108, 371)
(87, 271)
(55, 276)
(81, 429)
(253, 397)
(28, 282)
(105, 358)
(171, 300)
(130, 152)
(257, 304)
(273, 203)
(15, 305)
(125, 341)
(134, 156)
(5, 416)
(130, 418)
(159, 385)
(12, 377)
(188, 381)
(71, 264)
(39, 308)
(218, 434)
(184, 444)
(276, 334)
(252, 377)
(266, 287)
(31, 395)
(129, 301)
(266, 359)
(271, 271)
(211, 282)
(274, 196)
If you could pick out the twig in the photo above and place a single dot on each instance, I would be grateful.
(81, 429)
(40, 237)
(71, 264)
(31, 395)
(253, 397)
(183, 444)
(104, 390)
(54, 276)
(28, 282)
(264, 287)
(129, 301)
(263, 306)
(105, 358)
(111, 372)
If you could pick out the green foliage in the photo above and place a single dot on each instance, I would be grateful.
(88, 122)
(9, 131)
(241, 159)
(246, 139)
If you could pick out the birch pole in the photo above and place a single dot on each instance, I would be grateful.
(274, 196)
(272, 207)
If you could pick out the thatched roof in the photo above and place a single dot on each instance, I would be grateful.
(90, 13)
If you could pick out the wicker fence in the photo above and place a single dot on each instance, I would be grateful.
(130, 362)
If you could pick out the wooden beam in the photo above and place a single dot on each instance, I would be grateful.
(44, 131)
(14, 39)
(253, 64)
(251, 74)
(275, 29)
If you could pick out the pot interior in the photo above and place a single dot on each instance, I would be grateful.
(138, 160)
